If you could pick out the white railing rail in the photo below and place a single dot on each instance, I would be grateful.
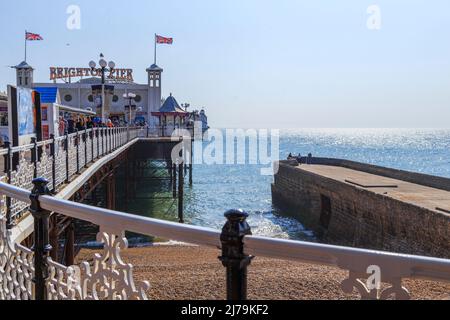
(393, 266)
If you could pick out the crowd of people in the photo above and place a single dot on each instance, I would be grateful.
(79, 122)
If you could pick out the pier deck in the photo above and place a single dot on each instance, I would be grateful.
(416, 194)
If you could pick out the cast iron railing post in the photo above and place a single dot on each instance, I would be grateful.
(77, 143)
(34, 156)
(97, 132)
(41, 245)
(174, 181)
(107, 141)
(53, 155)
(8, 169)
(91, 134)
(110, 139)
(190, 162)
(85, 147)
(233, 256)
(66, 147)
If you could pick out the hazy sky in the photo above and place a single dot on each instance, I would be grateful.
(254, 63)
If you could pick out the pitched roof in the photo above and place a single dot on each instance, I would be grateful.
(154, 67)
(171, 105)
(23, 65)
(48, 94)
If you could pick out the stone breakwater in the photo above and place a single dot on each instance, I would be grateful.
(361, 205)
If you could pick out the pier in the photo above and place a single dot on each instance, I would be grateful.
(362, 205)
(41, 196)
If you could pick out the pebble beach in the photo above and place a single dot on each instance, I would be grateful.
(183, 272)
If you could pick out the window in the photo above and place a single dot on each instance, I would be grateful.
(67, 98)
(115, 98)
(20, 81)
(138, 98)
(90, 98)
(157, 83)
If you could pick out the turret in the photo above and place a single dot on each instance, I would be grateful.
(24, 75)
(154, 92)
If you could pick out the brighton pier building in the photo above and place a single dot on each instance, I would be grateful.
(81, 88)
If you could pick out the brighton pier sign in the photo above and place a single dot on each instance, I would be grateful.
(68, 73)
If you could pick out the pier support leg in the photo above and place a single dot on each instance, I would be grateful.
(174, 180)
(111, 192)
(54, 237)
(170, 169)
(69, 248)
(127, 181)
(233, 256)
(180, 193)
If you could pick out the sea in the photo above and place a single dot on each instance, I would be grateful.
(217, 188)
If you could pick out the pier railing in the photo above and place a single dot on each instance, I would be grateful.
(58, 160)
(31, 274)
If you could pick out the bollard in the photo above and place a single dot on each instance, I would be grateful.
(41, 247)
(233, 256)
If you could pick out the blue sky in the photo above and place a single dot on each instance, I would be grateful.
(255, 63)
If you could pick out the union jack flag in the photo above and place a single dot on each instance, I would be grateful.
(160, 39)
(33, 36)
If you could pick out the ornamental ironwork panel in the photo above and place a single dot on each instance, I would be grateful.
(95, 155)
(89, 148)
(22, 177)
(393, 288)
(108, 278)
(72, 149)
(16, 266)
(60, 163)
(81, 150)
(45, 166)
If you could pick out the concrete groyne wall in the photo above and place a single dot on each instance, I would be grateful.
(413, 177)
(344, 214)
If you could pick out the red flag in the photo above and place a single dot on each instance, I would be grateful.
(160, 39)
(33, 36)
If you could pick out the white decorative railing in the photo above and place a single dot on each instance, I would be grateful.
(111, 278)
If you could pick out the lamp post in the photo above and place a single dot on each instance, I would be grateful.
(103, 69)
(130, 96)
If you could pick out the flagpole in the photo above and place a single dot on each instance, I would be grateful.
(155, 48)
(25, 45)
